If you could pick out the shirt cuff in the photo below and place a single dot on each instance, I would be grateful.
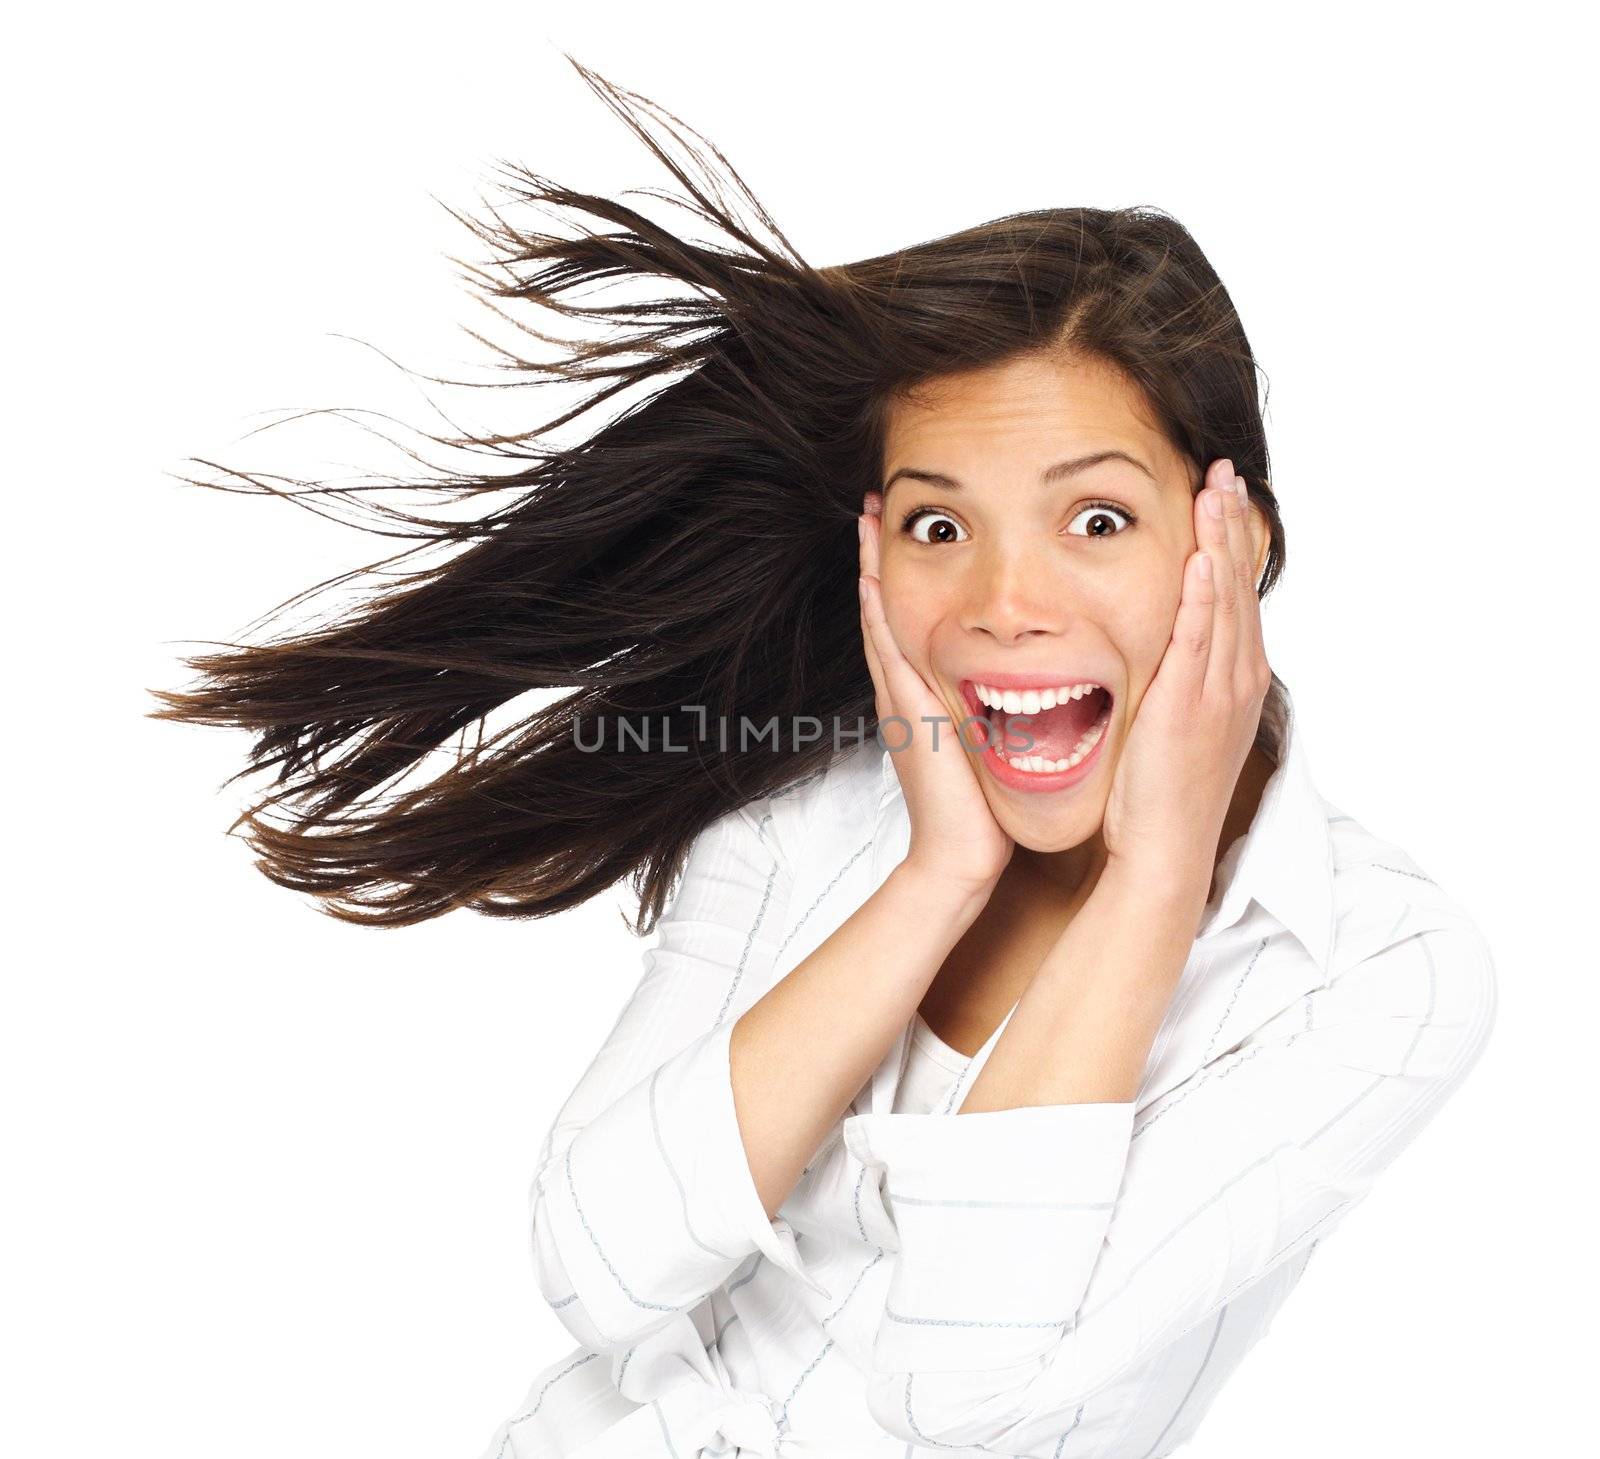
(652, 1204)
(1000, 1216)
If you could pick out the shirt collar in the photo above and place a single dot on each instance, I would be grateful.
(1284, 862)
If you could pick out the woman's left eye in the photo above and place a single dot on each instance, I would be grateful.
(1099, 519)
(927, 525)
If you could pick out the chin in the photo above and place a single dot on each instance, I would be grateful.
(1047, 847)
(1047, 831)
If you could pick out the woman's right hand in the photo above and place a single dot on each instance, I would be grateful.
(954, 835)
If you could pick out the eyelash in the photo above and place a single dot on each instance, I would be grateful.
(916, 514)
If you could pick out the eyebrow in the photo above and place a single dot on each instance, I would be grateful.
(1058, 472)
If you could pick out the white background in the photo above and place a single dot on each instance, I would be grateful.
(267, 1171)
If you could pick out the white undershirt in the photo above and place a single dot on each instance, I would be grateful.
(932, 1068)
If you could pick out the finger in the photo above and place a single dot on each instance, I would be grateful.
(870, 570)
(1238, 540)
(909, 693)
(881, 707)
(1227, 661)
(880, 639)
(1236, 675)
(889, 655)
(890, 660)
(869, 522)
(1250, 616)
(1194, 626)
(874, 665)
(872, 535)
(898, 696)
(1211, 535)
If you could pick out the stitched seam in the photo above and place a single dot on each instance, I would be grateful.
(755, 927)
(1261, 947)
(899, 1200)
(855, 857)
(1183, 1402)
(524, 1417)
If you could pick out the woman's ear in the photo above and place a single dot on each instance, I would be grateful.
(1260, 539)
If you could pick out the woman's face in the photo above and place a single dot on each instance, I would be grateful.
(1006, 567)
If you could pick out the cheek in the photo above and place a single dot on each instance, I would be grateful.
(916, 600)
(1142, 608)
(914, 606)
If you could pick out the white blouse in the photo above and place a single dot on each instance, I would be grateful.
(1059, 1282)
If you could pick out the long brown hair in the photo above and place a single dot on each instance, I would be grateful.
(690, 563)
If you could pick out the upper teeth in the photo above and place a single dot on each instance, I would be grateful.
(1030, 701)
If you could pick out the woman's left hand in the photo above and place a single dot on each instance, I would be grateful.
(1192, 731)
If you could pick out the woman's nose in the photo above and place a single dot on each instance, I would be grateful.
(1012, 597)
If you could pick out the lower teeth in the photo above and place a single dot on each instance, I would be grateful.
(1038, 765)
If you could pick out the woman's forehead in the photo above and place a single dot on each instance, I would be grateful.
(1034, 411)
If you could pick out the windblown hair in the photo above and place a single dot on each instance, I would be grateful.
(693, 561)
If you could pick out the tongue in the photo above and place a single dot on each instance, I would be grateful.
(1054, 732)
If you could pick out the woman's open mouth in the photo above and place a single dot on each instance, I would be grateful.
(1039, 737)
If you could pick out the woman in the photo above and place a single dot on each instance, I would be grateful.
(993, 1077)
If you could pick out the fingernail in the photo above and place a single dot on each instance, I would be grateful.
(1214, 503)
(1241, 488)
(1226, 470)
(1205, 567)
(861, 587)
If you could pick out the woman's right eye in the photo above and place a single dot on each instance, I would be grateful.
(926, 524)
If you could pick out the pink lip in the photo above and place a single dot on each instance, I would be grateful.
(1032, 781)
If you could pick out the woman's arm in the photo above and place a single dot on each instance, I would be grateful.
(667, 1163)
(803, 1052)
(641, 1202)
(1083, 1030)
(1045, 1252)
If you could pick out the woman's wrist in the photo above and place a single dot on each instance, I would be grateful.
(954, 900)
(1168, 888)
(1174, 878)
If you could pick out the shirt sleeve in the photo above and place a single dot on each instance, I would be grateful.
(1045, 1251)
(643, 1201)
